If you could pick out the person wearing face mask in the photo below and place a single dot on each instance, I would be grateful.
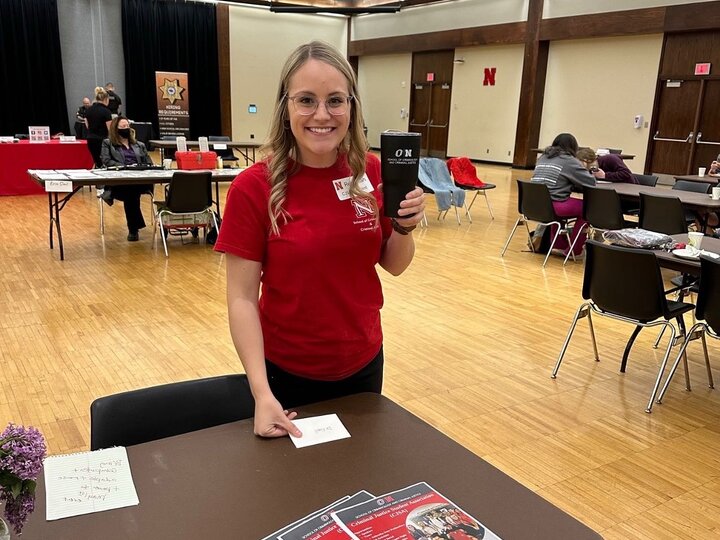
(118, 150)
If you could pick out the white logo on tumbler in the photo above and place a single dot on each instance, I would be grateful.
(407, 151)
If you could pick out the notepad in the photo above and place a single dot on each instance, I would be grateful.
(88, 482)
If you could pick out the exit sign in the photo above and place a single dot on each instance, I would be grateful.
(429, 77)
(702, 69)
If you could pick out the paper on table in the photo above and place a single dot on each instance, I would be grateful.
(319, 429)
(50, 175)
(87, 482)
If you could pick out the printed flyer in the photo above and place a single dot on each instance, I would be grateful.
(417, 512)
(323, 526)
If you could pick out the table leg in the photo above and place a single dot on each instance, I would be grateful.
(55, 206)
(217, 197)
(50, 219)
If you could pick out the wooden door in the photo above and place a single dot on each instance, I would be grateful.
(686, 116)
(430, 100)
(707, 140)
(420, 103)
(674, 126)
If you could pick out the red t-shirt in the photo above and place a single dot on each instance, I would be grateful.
(320, 294)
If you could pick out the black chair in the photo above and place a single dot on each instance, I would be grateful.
(626, 284)
(187, 206)
(662, 214)
(169, 153)
(535, 204)
(226, 154)
(646, 179)
(162, 411)
(707, 310)
(602, 210)
(695, 187)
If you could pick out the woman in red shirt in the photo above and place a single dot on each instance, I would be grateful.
(305, 229)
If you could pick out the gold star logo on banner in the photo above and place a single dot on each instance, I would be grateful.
(172, 91)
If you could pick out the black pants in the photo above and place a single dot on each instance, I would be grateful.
(293, 391)
(130, 196)
(95, 146)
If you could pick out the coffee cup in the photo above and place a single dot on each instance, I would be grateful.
(701, 171)
(400, 160)
(167, 163)
(716, 193)
(695, 240)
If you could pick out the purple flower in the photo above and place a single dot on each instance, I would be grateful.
(18, 509)
(22, 451)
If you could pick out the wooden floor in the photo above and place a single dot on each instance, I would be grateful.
(471, 339)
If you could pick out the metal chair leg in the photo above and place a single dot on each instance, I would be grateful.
(711, 383)
(487, 200)
(512, 233)
(557, 233)
(592, 335)
(582, 311)
(654, 392)
(660, 335)
(681, 354)
(572, 246)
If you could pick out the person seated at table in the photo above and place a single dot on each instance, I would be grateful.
(560, 170)
(612, 168)
(118, 150)
(97, 122)
(714, 169)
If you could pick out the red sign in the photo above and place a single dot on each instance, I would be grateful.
(702, 69)
(429, 77)
(489, 79)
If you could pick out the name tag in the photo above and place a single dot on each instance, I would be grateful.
(61, 186)
(342, 186)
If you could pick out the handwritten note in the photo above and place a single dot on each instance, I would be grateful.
(319, 429)
(88, 482)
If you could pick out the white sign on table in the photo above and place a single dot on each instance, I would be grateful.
(39, 133)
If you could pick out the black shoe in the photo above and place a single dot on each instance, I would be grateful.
(106, 196)
(133, 237)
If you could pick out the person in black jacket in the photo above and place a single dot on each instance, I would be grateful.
(97, 122)
(115, 101)
(121, 149)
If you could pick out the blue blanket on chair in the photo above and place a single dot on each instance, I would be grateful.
(434, 175)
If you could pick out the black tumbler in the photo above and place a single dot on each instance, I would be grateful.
(400, 156)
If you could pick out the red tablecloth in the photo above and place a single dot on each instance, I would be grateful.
(17, 158)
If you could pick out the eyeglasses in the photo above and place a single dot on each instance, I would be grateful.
(307, 105)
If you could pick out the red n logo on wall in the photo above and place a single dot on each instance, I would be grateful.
(489, 77)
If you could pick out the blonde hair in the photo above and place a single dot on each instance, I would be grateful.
(113, 132)
(100, 94)
(586, 155)
(282, 146)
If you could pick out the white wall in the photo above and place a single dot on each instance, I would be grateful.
(438, 17)
(483, 119)
(567, 8)
(260, 41)
(384, 83)
(92, 50)
(595, 87)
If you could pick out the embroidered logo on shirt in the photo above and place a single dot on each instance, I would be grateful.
(362, 208)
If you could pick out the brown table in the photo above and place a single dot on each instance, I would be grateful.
(225, 483)
(695, 178)
(246, 148)
(689, 199)
(686, 266)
